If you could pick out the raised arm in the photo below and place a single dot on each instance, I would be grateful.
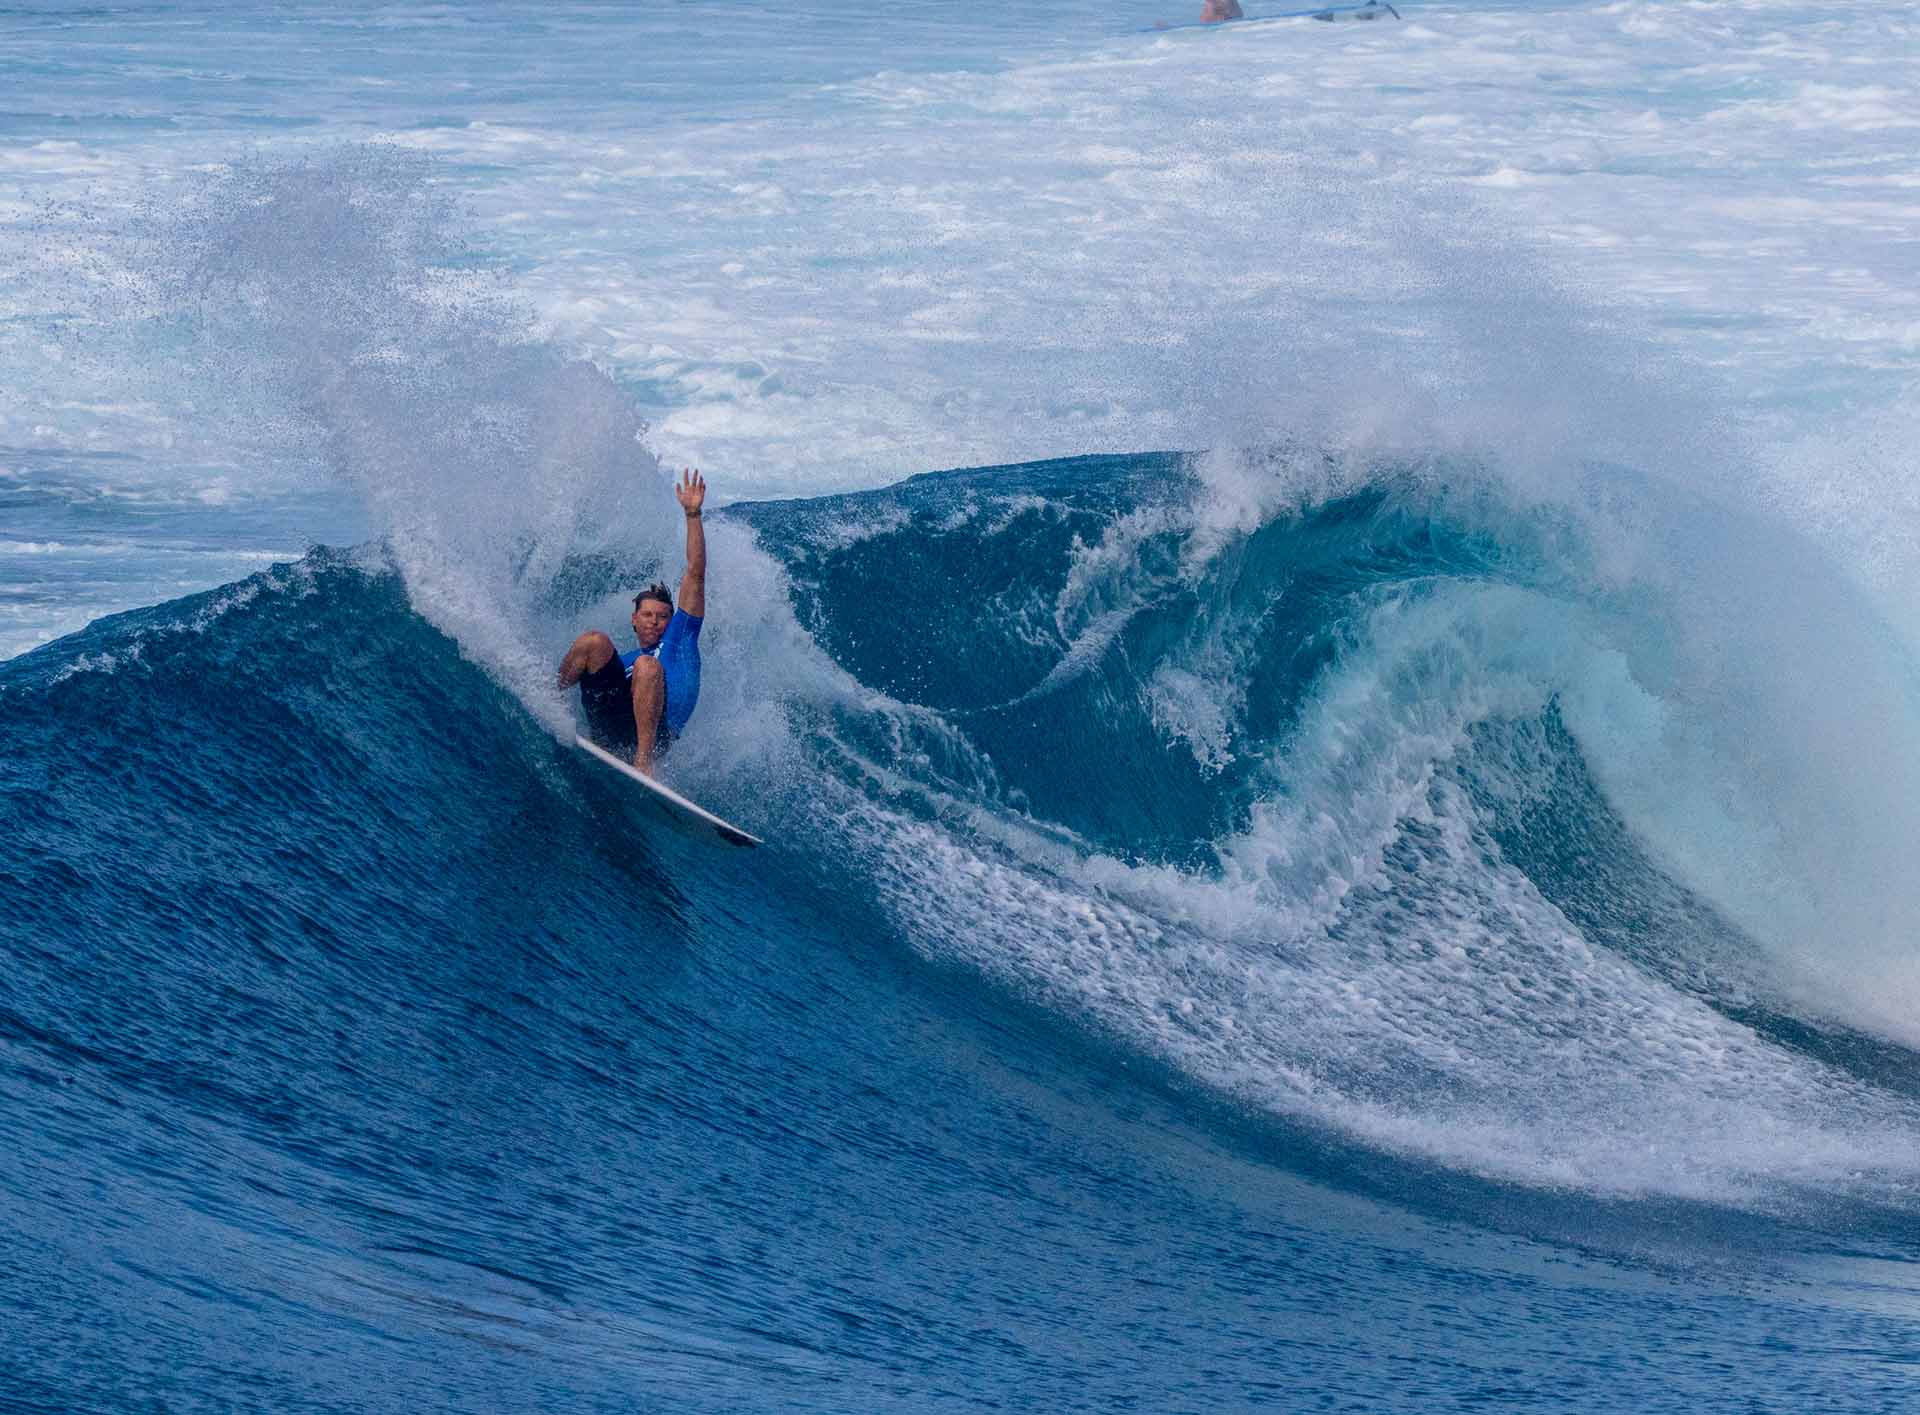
(692, 493)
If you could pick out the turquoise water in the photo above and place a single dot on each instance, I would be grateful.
(1354, 855)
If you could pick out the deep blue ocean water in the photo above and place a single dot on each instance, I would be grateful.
(1352, 854)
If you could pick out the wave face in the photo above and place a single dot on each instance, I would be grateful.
(1210, 901)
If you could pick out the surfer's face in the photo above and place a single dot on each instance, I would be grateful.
(650, 622)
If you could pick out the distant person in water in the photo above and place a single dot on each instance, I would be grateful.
(638, 703)
(1213, 12)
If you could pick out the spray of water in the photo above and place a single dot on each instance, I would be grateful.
(345, 326)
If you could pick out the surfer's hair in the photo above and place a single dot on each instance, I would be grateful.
(656, 590)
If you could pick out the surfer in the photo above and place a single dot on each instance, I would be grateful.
(639, 702)
(1212, 12)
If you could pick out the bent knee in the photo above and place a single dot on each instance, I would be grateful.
(647, 673)
(594, 648)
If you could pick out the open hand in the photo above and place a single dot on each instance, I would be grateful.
(691, 490)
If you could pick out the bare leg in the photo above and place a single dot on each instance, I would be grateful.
(649, 701)
(589, 654)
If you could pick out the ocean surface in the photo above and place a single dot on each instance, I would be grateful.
(1322, 621)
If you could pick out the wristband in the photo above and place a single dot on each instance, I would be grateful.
(693, 515)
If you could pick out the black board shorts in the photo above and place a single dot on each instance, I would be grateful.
(606, 695)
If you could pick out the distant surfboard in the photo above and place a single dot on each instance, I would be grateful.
(682, 814)
(1370, 10)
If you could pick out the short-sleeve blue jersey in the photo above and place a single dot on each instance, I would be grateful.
(679, 655)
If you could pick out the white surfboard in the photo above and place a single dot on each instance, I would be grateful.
(688, 818)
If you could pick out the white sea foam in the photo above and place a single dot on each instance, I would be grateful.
(1194, 709)
(1367, 960)
(118, 548)
(934, 269)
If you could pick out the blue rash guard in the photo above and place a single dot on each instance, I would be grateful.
(679, 655)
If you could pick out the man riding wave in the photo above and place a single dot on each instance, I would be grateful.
(639, 702)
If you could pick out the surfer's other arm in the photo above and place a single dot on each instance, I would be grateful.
(691, 493)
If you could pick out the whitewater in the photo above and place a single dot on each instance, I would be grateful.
(1319, 617)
